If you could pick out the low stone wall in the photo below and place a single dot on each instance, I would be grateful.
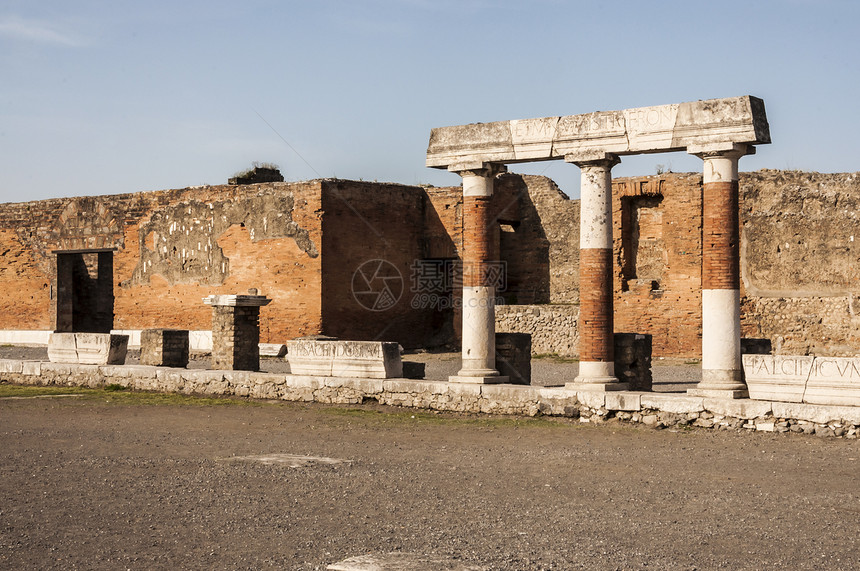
(659, 410)
(553, 327)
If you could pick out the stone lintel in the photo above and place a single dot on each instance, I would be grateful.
(664, 128)
(237, 300)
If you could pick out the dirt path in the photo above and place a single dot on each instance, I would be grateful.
(92, 485)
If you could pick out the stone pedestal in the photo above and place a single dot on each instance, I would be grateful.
(236, 331)
(88, 348)
(633, 360)
(514, 357)
(164, 347)
(362, 359)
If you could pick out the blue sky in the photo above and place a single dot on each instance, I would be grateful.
(120, 96)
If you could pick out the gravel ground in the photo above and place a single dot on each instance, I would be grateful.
(91, 484)
(669, 375)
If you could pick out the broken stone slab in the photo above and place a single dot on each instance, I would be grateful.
(277, 350)
(777, 377)
(11, 366)
(362, 359)
(821, 414)
(745, 409)
(675, 403)
(623, 401)
(399, 561)
(834, 381)
(88, 348)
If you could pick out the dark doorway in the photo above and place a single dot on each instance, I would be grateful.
(85, 291)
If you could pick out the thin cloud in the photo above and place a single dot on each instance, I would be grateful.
(35, 31)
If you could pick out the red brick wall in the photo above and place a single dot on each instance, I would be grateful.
(669, 309)
(167, 246)
(369, 228)
(25, 284)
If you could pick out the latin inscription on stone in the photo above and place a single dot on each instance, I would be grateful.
(363, 359)
(834, 380)
(355, 349)
(777, 377)
(814, 380)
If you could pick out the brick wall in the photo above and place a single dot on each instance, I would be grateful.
(372, 235)
(172, 248)
(800, 278)
(657, 233)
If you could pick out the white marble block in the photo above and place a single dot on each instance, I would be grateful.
(88, 348)
(362, 359)
(777, 377)
(834, 381)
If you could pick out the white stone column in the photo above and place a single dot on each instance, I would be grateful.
(722, 367)
(596, 328)
(479, 292)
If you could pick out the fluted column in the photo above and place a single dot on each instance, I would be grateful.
(479, 291)
(722, 368)
(596, 332)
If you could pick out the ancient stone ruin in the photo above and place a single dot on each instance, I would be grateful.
(739, 269)
(718, 131)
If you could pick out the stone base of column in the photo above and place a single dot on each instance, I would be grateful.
(719, 393)
(603, 385)
(480, 379)
(597, 376)
(721, 383)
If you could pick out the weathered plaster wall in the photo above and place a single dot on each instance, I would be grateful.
(173, 248)
(800, 262)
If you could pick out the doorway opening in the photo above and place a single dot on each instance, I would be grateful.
(84, 292)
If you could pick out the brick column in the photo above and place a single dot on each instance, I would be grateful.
(236, 331)
(722, 368)
(596, 359)
(479, 291)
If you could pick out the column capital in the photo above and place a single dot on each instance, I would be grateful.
(486, 170)
(727, 150)
(593, 159)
